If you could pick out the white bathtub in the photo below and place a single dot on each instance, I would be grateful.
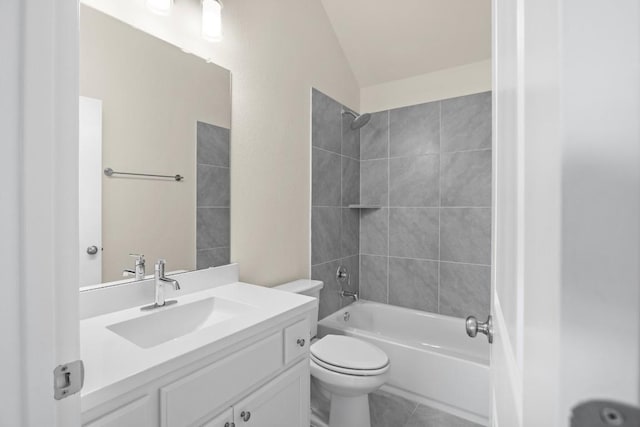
(433, 361)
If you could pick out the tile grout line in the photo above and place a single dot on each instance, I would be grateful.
(341, 187)
(388, 197)
(438, 153)
(333, 152)
(425, 259)
(439, 194)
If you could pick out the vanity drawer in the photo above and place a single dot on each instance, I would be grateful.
(296, 340)
(186, 401)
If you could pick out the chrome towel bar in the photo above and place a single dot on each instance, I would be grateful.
(111, 172)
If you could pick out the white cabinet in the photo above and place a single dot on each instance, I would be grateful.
(134, 414)
(184, 402)
(261, 382)
(282, 402)
(223, 420)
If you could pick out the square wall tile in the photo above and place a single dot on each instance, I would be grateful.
(374, 182)
(414, 130)
(326, 180)
(350, 138)
(350, 181)
(413, 232)
(215, 257)
(413, 283)
(326, 122)
(330, 299)
(212, 144)
(374, 231)
(350, 233)
(465, 290)
(374, 137)
(466, 178)
(465, 235)
(212, 228)
(213, 186)
(414, 181)
(466, 122)
(373, 278)
(325, 234)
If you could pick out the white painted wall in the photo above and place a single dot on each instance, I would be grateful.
(601, 194)
(10, 319)
(276, 51)
(448, 83)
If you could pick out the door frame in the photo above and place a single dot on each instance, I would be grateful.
(535, 89)
(40, 252)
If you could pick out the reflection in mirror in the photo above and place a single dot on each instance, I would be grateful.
(147, 109)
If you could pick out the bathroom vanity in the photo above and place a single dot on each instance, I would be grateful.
(225, 353)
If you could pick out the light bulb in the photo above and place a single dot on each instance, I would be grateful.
(211, 20)
(161, 7)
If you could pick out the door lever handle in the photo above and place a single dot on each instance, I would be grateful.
(473, 327)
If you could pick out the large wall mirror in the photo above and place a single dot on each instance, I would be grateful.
(154, 154)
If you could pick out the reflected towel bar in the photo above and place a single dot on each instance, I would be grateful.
(111, 172)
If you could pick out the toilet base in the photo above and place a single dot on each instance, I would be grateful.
(349, 411)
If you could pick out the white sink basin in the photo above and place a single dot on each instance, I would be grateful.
(171, 322)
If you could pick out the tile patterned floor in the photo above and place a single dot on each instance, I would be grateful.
(388, 410)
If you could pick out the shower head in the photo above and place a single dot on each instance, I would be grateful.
(358, 120)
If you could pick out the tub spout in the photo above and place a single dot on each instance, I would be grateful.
(350, 294)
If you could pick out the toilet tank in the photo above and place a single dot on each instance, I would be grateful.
(309, 288)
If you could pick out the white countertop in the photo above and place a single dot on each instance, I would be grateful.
(114, 365)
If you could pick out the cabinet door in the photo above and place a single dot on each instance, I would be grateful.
(283, 402)
(134, 414)
(223, 420)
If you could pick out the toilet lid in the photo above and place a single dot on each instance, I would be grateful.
(348, 352)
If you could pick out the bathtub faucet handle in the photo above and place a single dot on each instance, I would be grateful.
(473, 327)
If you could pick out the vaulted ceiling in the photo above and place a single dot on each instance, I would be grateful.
(396, 39)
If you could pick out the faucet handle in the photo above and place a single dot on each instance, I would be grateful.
(160, 264)
(139, 258)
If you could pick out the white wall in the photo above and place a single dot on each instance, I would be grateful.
(10, 319)
(276, 51)
(151, 104)
(601, 188)
(448, 83)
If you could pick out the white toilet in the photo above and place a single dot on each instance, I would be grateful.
(346, 367)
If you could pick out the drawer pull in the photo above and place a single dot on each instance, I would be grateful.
(301, 342)
(245, 415)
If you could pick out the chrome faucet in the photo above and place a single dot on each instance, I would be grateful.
(341, 275)
(350, 294)
(160, 281)
(138, 271)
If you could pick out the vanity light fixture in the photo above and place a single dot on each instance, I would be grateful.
(212, 20)
(160, 7)
(211, 16)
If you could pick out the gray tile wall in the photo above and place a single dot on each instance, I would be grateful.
(335, 228)
(429, 166)
(213, 196)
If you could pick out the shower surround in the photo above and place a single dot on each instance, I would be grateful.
(426, 171)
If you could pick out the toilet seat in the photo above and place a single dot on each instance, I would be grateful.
(350, 356)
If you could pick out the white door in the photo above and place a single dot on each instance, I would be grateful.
(90, 191)
(506, 284)
(284, 402)
(39, 215)
(565, 294)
